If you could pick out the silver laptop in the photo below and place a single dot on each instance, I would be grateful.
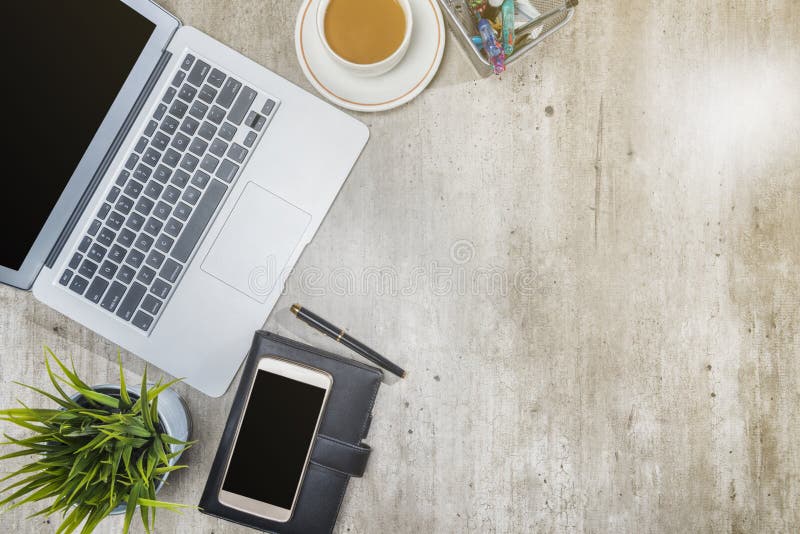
(158, 186)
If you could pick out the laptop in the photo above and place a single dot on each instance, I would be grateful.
(159, 186)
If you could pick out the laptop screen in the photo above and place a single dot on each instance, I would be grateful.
(64, 63)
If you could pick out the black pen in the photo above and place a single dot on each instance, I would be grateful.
(345, 339)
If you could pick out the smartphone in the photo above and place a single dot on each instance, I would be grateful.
(274, 438)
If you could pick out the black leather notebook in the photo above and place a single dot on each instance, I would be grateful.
(338, 451)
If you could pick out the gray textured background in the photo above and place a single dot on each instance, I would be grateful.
(638, 176)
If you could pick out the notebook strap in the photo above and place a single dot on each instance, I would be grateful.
(340, 456)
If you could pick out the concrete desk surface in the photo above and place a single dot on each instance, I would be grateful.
(589, 267)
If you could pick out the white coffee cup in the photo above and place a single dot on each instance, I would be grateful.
(367, 69)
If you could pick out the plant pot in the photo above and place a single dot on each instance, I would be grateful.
(173, 417)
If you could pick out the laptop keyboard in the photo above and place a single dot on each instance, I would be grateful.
(187, 156)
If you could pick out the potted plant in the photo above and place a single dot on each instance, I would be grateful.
(104, 450)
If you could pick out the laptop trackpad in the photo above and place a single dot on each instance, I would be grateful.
(256, 242)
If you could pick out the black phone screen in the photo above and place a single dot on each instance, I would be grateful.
(275, 435)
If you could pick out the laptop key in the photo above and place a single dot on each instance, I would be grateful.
(76, 260)
(164, 243)
(197, 224)
(170, 270)
(237, 152)
(117, 253)
(187, 93)
(198, 147)
(218, 147)
(153, 190)
(178, 79)
(180, 142)
(88, 268)
(250, 140)
(216, 115)
(242, 105)
(227, 170)
(182, 211)
(96, 290)
(189, 126)
(106, 237)
(141, 144)
(151, 157)
(115, 220)
(160, 289)
(108, 269)
(155, 258)
(135, 221)
(178, 109)
(187, 62)
(126, 237)
(227, 131)
(181, 178)
(198, 110)
(171, 194)
(189, 162)
(198, 73)
(160, 140)
(162, 210)
(126, 274)
(79, 285)
(124, 205)
(142, 172)
(113, 296)
(150, 128)
(97, 252)
(142, 320)
(269, 105)
(134, 258)
(228, 92)
(200, 179)
(94, 227)
(160, 110)
(131, 163)
(153, 226)
(162, 174)
(143, 242)
(85, 242)
(207, 94)
(169, 95)
(146, 275)
(131, 301)
(151, 305)
(191, 195)
(122, 178)
(113, 194)
(133, 189)
(169, 124)
(144, 206)
(171, 157)
(103, 211)
(209, 163)
(65, 277)
(173, 227)
(216, 78)
(207, 131)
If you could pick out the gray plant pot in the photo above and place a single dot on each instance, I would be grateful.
(173, 414)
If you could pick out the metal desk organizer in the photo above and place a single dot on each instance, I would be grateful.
(464, 24)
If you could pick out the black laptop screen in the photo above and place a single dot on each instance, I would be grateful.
(63, 64)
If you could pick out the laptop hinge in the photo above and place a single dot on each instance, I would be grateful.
(108, 158)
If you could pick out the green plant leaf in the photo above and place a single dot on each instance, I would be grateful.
(123, 389)
(161, 504)
(133, 500)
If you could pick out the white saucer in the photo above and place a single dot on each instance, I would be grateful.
(380, 93)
